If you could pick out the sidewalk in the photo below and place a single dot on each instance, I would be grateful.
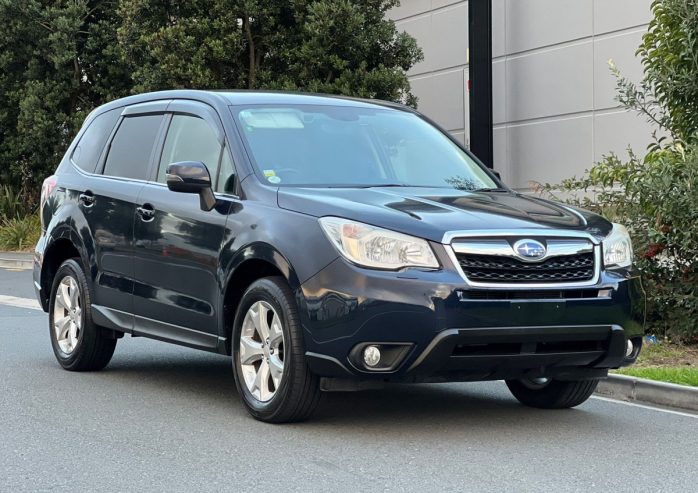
(634, 389)
(16, 260)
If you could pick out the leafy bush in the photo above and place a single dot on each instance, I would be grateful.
(19, 233)
(656, 197)
(13, 203)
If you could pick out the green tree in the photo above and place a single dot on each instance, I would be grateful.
(59, 59)
(57, 62)
(668, 93)
(340, 47)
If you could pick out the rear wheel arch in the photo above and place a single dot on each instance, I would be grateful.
(253, 263)
(58, 251)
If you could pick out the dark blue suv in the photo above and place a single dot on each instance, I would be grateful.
(325, 243)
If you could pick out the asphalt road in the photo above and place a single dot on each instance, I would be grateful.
(164, 418)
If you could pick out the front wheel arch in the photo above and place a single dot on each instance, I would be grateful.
(253, 263)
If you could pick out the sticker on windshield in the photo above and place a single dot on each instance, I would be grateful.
(269, 172)
(274, 179)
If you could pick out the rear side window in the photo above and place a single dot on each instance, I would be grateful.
(190, 138)
(89, 148)
(129, 153)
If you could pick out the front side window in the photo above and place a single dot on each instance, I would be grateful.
(317, 145)
(87, 152)
(190, 138)
(130, 150)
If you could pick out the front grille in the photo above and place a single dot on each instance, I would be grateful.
(498, 269)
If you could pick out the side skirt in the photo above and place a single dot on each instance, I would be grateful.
(153, 329)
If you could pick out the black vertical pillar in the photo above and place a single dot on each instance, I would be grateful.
(480, 43)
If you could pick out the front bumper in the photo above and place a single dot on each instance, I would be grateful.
(455, 337)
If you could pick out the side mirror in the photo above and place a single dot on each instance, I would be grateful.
(192, 177)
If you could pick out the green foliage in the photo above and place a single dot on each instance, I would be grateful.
(680, 376)
(60, 59)
(338, 47)
(656, 197)
(12, 204)
(19, 233)
(668, 94)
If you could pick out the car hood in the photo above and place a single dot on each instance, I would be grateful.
(431, 212)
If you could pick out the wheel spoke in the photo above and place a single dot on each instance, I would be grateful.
(65, 295)
(61, 299)
(276, 369)
(73, 334)
(62, 326)
(276, 334)
(250, 351)
(74, 293)
(261, 381)
(262, 325)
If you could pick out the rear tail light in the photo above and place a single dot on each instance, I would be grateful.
(47, 189)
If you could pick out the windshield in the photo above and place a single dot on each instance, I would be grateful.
(341, 146)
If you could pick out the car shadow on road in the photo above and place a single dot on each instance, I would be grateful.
(207, 379)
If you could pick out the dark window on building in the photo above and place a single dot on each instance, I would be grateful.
(129, 153)
(89, 148)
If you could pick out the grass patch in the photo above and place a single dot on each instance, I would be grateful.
(666, 362)
(682, 376)
(19, 233)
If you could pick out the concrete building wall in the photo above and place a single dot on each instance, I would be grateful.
(554, 108)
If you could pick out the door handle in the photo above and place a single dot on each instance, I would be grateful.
(146, 212)
(87, 198)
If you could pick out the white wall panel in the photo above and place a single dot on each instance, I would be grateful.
(535, 23)
(621, 48)
(441, 97)
(616, 131)
(614, 15)
(551, 82)
(550, 151)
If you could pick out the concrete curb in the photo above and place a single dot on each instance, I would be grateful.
(15, 260)
(627, 388)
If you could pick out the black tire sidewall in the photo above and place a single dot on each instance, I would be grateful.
(265, 290)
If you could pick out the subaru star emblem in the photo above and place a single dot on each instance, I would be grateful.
(530, 249)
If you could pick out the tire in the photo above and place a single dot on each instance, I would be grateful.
(79, 344)
(296, 392)
(554, 394)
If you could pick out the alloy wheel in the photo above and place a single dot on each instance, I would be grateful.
(262, 351)
(67, 314)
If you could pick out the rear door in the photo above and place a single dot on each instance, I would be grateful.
(108, 201)
(177, 244)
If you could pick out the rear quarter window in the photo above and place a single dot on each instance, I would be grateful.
(130, 150)
(89, 148)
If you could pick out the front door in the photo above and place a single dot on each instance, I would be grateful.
(177, 245)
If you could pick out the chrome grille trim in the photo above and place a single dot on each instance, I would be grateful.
(560, 243)
(502, 248)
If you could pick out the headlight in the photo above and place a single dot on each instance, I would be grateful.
(377, 248)
(617, 248)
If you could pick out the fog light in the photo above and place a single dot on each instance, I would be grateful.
(372, 356)
(629, 349)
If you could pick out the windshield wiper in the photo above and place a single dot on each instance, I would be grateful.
(385, 185)
(493, 189)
